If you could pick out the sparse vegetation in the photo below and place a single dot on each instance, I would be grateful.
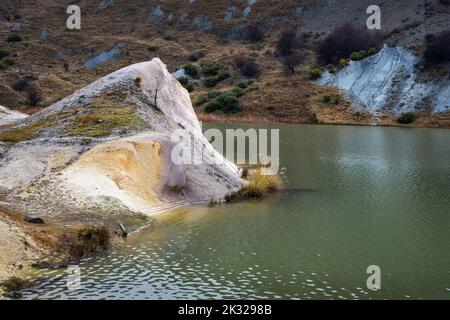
(315, 74)
(255, 33)
(247, 67)
(407, 118)
(437, 49)
(14, 38)
(152, 48)
(14, 285)
(344, 41)
(293, 60)
(191, 70)
(258, 186)
(34, 96)
(289, 42)
(214, 80)
(87, 242)
(226, 103)
(24, 133)
(5, 63)
(4, 53)
(169, 37)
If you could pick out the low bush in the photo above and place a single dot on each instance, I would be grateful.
(4, 54)
(326, 99)
(315, 74)
(247, 67)
(201, 100)
(193, 58)
(289, 42)
(226, 103)
(293, 60)
(5, 63)
(211, 68)
(14, 38)
(437, 48)
(34, 97)
(255, 33)
(21, 85)
(344, 41)
(191, 70)
(407, 118)
(88, 241)
(214, 80)
(153, 48)
(14, 285)
(168, 37)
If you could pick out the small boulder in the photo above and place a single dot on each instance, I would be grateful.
(34, 219)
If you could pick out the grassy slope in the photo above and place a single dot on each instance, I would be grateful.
(281, 97)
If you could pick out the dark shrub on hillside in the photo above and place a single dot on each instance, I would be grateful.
(293, 60)
(247, 67)
(21, 85)
(227, 103)
(214, 80)
(345, 40)
(191, 70)
(14, 38)
(437, 48)
(255, 33)
(407, 118)
(291, 41)
(3, 54)
(34, 97)
(5, 63)
(211, 68)
(445, 2)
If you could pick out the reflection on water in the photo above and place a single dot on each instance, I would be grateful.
(358, 196)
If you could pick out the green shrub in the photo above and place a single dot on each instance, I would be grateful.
(343, 63)
(201, 100)
(14, 38)
(213, 94)
(4, 54)
(5, 63)
(193, 58)
(189, 87)
(168, 37)
(153, 48)
(407, 118)
(356, 56)
(244, 84)
(211, 68)
(14, 285)
(315, 74)
(183, 80)
(326, 99)
(191, 70)
(237, 92)
(212, 106)
(226, 103)
(214, 80)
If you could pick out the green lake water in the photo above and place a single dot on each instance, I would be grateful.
(357, 196)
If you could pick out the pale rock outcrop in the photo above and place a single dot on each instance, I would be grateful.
(388, 82)
(66, 163)
(8, 116)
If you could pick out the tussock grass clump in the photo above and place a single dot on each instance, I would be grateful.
(87, 242)
(258, 186)
(14, 285)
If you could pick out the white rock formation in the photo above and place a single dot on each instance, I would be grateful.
(388, 82)
(8, 116)
(134, 170)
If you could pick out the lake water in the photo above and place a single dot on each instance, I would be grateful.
(357, 196)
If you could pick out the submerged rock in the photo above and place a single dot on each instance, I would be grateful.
(388, 82)
(110, 146)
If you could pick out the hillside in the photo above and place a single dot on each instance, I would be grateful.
(56, 62)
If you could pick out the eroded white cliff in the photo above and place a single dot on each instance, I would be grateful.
(389, 82)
